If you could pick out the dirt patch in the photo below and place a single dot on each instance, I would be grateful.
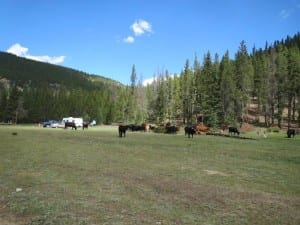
(213, 201)
(8, 219)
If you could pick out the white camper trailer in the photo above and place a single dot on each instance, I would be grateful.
(78, 121)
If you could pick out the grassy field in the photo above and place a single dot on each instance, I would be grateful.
(56, 176)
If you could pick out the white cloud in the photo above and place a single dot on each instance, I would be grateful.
(149, 81)
(46, 58)
(154, 79)
(21, 51)
(18, 50)
(285, 13)
(140, 27)
(129, 39)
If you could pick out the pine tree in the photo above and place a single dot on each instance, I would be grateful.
(261, 84)
(169, 96)
(133, 78)
(132, 104)
(227, 90)
(3, 105)
(271, 86)
(141, 101)
(151, 96)
(197, 88)
(281, 77)
(293, 84)
(121, 106)
(244, 80)
(206, 74)
(160, 103)
(187, 93)
(12, 105)
(210, 89)
(176, 98)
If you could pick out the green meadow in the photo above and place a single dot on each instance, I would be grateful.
(57, 176)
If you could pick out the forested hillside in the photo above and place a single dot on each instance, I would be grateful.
(32, 91)
(24, 72)
(223, 91)
(260, 86)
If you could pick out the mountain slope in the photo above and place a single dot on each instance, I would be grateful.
(28, 72)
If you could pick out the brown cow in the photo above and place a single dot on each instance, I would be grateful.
(201, 128)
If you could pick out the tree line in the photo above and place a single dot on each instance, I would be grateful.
(217, 92)
(221, 92)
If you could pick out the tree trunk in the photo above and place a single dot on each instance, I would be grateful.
(290, 101)
(294, 110)
(272, 113)
(280, 111)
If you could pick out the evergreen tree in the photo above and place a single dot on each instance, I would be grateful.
(187, 93)
(281, 77)
(197, 88)
(211, 90)
(151, 96)
(293, 84)
(12, 105)
(227, 90)
(271, 87)
(169, 96)
(3, 105)
(133, 78)
(132, 106)
(141, 114)
(260, 90)
(244, 80)
(122, 106)
(215, 92)
(161, 104)
(176, 98)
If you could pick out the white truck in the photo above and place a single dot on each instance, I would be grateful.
(77, 121)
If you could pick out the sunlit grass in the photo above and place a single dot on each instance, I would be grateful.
(95, 177)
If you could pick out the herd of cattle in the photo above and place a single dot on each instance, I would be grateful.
(171, 129)
(189, 131)
(85, 125)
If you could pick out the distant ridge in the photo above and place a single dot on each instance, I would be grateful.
(22, 71)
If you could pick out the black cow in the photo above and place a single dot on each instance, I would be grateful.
(152, 127)
(122, 130)
(171, 129)
(233, 130)
(190, 131)
(85, 125)
(135, 127)
(70, 124)
(290, 133)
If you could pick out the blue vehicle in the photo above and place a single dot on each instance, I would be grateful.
(49, 123)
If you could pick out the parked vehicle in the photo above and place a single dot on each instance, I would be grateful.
(60, 124)
(77, 121)
(49, 123)
(93, 123)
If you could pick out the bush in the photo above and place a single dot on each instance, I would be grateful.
(273, 129)
(159, 130)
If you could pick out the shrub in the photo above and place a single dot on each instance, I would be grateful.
(273, 129)
(159, 130)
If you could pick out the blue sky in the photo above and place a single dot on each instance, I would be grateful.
(107, 37)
